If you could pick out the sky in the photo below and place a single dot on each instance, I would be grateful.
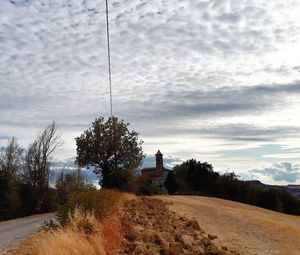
(214, 80)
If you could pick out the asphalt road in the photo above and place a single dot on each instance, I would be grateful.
(14, 231)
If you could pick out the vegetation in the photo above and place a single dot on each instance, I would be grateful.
(89, 227)
(171, 184)
(70, 181)
(38, 159)
(114, 152)
(24, 175)
(194, 177)
(101, 202)
(111, 149)
(146, 187)
(10, 162)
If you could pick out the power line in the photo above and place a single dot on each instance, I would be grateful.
(109, 61)
(109, 76)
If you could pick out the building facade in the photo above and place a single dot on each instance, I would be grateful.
(157, 174)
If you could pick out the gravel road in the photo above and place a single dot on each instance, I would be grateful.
(248, 229)
(14, 231)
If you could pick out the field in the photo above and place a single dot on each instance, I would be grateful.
(170, 225)
(247, 229)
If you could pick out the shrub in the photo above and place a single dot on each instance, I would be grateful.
(124, 180)
(62, 215)
(63, 242)
(85, 234)
(100, 202)
(171, 184)
(51, 225)
(83, 221)
(147, 188)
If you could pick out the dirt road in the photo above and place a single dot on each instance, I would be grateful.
(13, 231)
(244, 228)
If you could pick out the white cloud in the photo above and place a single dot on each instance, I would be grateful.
(176, 64)
(281, 173)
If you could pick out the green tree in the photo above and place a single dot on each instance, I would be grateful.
(194, 176)
(110, 148)
(146, 187)
(270, 199)
(171, 184)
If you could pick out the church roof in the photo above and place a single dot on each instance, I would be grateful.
(154, 169)
(158, 153)
(149, 169)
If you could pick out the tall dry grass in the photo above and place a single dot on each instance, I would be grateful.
(112, 232)
(85, 234)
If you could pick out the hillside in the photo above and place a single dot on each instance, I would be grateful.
(136, 226)
(170, 225)
(292, 189)
(244, 228)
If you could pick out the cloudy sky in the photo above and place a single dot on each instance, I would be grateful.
(216, 80)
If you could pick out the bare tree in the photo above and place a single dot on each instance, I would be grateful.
(10, 164)
(39, 156)
(70, 181)
(10, 159)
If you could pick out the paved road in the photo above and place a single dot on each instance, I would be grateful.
(13, 231)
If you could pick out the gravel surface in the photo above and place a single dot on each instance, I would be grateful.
(248, 229)
(152, 229)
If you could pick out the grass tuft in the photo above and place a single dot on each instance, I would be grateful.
(91, 228)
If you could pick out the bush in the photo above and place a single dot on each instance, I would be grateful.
(146, 187)
(84, 235)
(100, 202)
(62, 215)
(9, 199)
(83, 221)
(51, 225)
(124, 180)
(171, 184)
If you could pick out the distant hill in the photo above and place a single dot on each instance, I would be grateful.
(292, 189)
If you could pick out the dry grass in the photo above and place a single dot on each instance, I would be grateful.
(113, 233)
(85, 233)
(63, 242)
(102, 202)
(245, 228)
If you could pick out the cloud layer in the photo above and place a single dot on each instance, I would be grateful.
(196, 78)
(280, 172)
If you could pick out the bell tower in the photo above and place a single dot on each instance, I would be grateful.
(159, 162)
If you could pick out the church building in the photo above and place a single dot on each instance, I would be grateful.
(157, 174)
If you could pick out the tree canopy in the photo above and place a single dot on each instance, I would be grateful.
(195, 177)
(110, 147)
(24, 175)
(171, 184)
